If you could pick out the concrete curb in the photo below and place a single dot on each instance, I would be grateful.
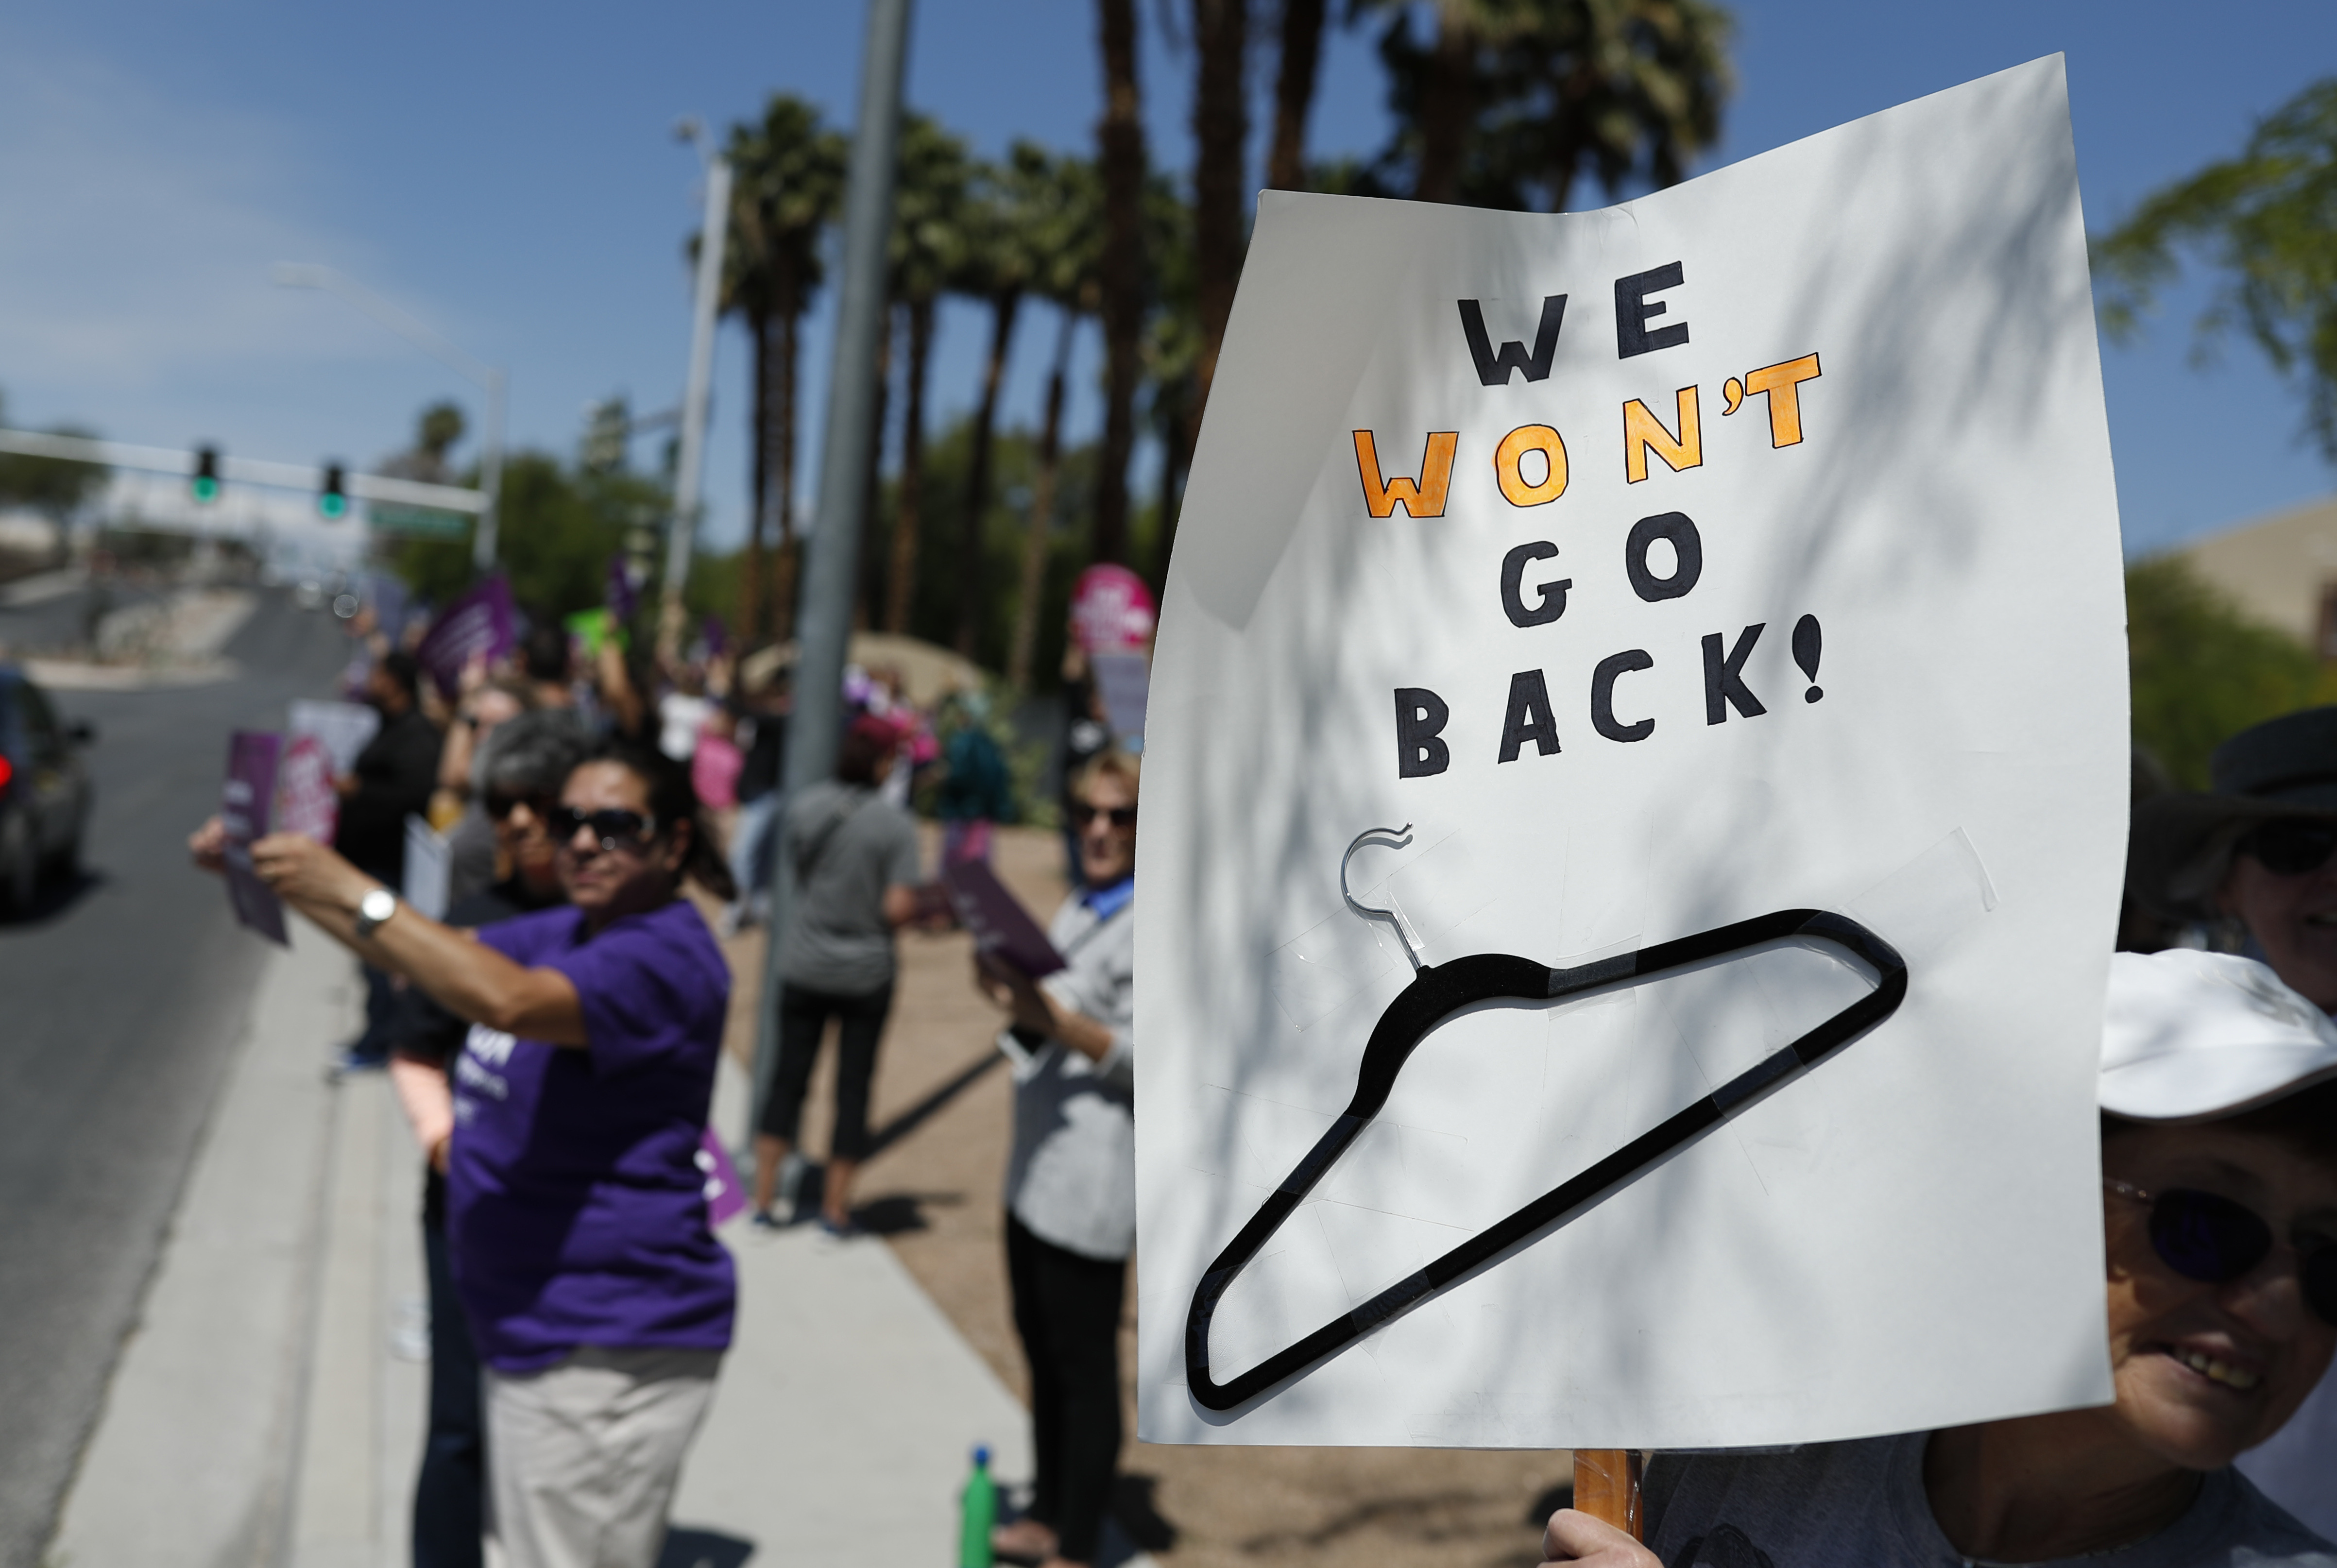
(191, 1458)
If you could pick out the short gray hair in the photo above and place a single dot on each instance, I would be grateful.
(533, 753)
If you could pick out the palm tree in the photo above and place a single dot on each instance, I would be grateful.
(1220, 136)
(1002, 230)
(1066, 225)
(1120, 139)
(1293, 94)
(1510, 98)
(1172, 355)
(788, 178)
(927, 256)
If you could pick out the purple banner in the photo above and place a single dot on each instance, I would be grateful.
(478, 625)
(245, 803)
(1000, 924)
(623, 594)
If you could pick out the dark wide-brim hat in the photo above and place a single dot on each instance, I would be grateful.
(2181, 844)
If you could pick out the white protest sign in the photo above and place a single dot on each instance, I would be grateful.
(1742, 551)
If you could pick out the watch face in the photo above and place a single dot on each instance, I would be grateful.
(378, 905)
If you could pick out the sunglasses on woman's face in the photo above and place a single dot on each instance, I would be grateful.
(613, 828)
(2211, 1238)
(501, 805)
(2292, 846)
(1118, 816)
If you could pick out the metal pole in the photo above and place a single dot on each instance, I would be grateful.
(491, 476)
(832, 553)
(713, 236)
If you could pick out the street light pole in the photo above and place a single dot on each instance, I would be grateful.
(831, 553)
(713, 237)
(489, 378)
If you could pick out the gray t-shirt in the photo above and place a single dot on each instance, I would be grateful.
(1862, 1505)
(841, 848)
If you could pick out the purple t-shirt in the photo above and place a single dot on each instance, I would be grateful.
(575, 1208)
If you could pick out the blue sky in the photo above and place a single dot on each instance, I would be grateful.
(507, 173)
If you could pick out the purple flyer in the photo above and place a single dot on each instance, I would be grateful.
(245, 803)
(1000, 924)
(478, 625)
(726, 1195)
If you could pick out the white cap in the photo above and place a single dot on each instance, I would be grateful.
(2190, 1036)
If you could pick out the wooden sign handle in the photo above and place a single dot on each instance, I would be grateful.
(1607, 1487)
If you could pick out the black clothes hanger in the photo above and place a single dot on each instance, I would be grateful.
(1436, 993)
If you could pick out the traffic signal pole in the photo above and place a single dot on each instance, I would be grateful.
(681, 540)
(832, 553)
(234, 470)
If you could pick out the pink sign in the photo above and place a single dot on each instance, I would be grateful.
(1112, 611)
(306, 801)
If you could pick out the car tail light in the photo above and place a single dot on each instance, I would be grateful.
(7, 771)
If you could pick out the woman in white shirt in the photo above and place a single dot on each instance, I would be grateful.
(1070, 1186)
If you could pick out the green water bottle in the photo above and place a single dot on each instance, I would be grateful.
(977, 1512)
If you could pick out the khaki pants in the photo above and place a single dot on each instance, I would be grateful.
(582, 1458)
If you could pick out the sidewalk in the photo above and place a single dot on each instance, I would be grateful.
(268, 1409)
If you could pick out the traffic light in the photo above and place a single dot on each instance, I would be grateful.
(205, 485)
(333, 496)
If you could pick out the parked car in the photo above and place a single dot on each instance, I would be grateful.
(45, 790)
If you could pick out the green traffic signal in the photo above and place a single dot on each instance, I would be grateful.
(205, 485)
(332, 497)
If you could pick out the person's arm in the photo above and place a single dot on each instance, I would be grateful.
(463, 975)
(428, 1102)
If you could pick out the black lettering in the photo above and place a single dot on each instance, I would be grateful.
(1721, 684)
(1687, 549)
(1530, 718)
(1602, 696)
(1419, 719)
(1550, 598)
(1494, 370)
(1634, 310)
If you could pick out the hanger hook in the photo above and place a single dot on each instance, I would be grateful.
(1394, 838)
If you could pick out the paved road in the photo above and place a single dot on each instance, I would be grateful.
(119, 1001)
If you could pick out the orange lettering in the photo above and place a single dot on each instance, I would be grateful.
(1783, 384)
(1643, 431)
(1514, 445)
(1423, 499)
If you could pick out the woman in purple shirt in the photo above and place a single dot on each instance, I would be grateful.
(576, 1212)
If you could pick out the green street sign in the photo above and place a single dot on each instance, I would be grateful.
(427, 521)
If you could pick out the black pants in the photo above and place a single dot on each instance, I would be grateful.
(1067, 1310)
(448, 1522)
(803, 1015)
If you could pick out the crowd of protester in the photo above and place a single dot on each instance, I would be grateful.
(554, 1040)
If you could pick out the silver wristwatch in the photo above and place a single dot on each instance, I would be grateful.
(374, 910)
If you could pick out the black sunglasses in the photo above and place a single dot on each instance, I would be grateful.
(2214, 1239)
(613, 828)
(500, 806)
(2292, 846)
(1121, 816)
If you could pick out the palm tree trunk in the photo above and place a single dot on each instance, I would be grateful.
(1220, 131)
(1293, 94)
(1042, 516)
(783, 568)
(907, 521)
(759, 488)
(1121, 134)
(1444, 107)
(1004, 306)
(1173, 456)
